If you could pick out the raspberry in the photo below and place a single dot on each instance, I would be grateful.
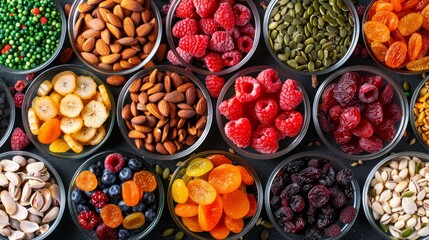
(186, 9)
(104, 232)
(247, 30)
(239, 132)
(43, 20)
(269, 80)
(99, 199)
(29, 76)
(35, 11)
(213, 61)
(20, 85)
(361, 10)
(114, 162)
(195, 45)
(242, 15)
(208, 25)
(289, 123)
(19, 140)
(265, 140)
(214, 85)
(290, 95)
(247, 89)
(18, 98)
(232, 2)
(87, 220)
(205, 8)
(333, 230)
(266, 110)
(231, 108)
(244, 44)
(231, 58)
(221, 41)
(184, 55)
(185, 27)
(234, 33)
(224, 16)
(347, 214)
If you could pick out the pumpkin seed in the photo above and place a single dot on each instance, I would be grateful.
(264, 234)
(167, 232)
(166, 173)
(179, 235)
(158, 170)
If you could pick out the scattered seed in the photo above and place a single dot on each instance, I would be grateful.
(170, 176)
(412, 141)
(179, 235)
(318, 143)
(231, 150)
(309, 144)
(166, 173)
(406, 86)
(158, 170)
(259, 221)
(179, 163)
(167, 232)
(405, 133)
(264, 234)
(267, 224)
(407, 94)
(354, 164)
(314, 81)
(360, 162)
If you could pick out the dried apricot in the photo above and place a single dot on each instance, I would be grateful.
(419, 64)
(253, 205)
(415, 44)
(410, 23)
(220, 231)
(130, 193)
(234, 225)
(225, 178)
(192, 223)
(218, 159)
(235, 204)
(49, 131)
(396, 54)
(209, 215)
(86, 181)
(383, 6)
(186, 210)
(421, 5)
(134, 221)
(245, 175)
(379, 50)
(410, 4)
(179, 191)
(145, 180)
(201, 192)
(111, 215)
(390, 19)
(376, 31)
(198, 167)
(425, 14)
(397, 7)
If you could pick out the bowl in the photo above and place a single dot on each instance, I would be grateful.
(287, 144)
(371, 181)
(276, 33)
(256, 189)
(94, 160)
(199, 67)
(135, 47)
(32, 93)
(60, 197)
(306, 156)
(54, 50)
(163, 136)
(399, 125)
(10, 117)
(417, 113)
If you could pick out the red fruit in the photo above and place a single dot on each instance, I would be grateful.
(333, 230)
(104, 232)
(346, 87)
(186, 9)
(224, 16)
(35, 11)
(244, 44)
(235, 33)
(87, 220)
(372, 144)
(335, 113)
(239, 132)
(328, 96)
(114, 162)
(231, 108)
(385, 130)
(392, 112)
(290, 95)
(18, 98)
(373, 113)
(43, 20)
(231, 58)
(325, 122)
(247, 89)
(185, 27)
(99, 199)
(342, 135)
(247, 30)
(363, 129)
(214, 85)
(289, 123)
(374, 80)
(30, 76)
(242, 14)
(19, 140)
(386, 94)
(213, 62)
(265, 140)
(266, 110)
(367, 93)
(347, 214)
(208, 25)
(20, 85)
(221, 41)
(352, 147)
(205, 8)
(184, 55)
(195, 45)
(350, 118)
(269, 80)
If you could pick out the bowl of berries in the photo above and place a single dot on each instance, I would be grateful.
(262, 112)
(115, 195)
(313, 196)
(215, 195)
(360, 112)
(7, 109)
(212, 37)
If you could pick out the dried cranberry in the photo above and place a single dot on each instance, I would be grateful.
(350, 118)
(328, 95)
(277, 185)
(346, 87)
(385, 130)
(283, 215)
(291, 190)
(342, 135)
(294, 226)
(335, 113)
(352, 147)
(344, 176)
(318, 196)
(294, 166)
(367, 93)
(309, 174)
(363, 129)
(297, 203)
(372, 144)
(392, 112)
(338, 199)
(325, 122)
(323, 221)
(347, 214)
(312, 234)
(276, 202)
(295, 179)
(374, 80)
(311, 215)
(373, 113)
(386, 94)
(333, 230)
(285, 201)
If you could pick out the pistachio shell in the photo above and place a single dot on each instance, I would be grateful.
(51, 215)
(6, 231)
(13, 178)
(37, 201)
(43, 228)
(16, 235)
(20, 214)
(9, 166)
(8, 202)
(20, 160)
(55, 192)
(35, 167)
(28, 227)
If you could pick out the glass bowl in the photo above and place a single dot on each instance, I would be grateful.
(9, 103)
(369, 183)
(99, 157)
(108, 69)
(286, 145)
(199, 68)
(54, 176)
(125, 99)
(256, 189)
(305, 156)
(398, 98)
(416, 123)
(347, 6)
(32, 93)
(55, 53)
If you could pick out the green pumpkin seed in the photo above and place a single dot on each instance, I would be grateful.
(292, 63)
(290, 5)
(274, 34)
(292, 44)
(310, 66)
(264, 234)
(300, 68)
(277, 46)
(282, 57)
(343, 33)
(293, 53)
(327, 18)
(407, 194)
(309, 41)
(316, 4)
(320, 54)
(166, 173)
(306, 15)
(283, 2)
(307, 32)
(158, 170)
(298, 38)
(333, 22)
(179, 235)
(299, 46)
(300, 60)
(167, 232)
(327, 62)
(320, 22)
(298, 7)
(407, 94)
(406, 86)
(331, 29)
(286, 39)
(334, 54)
(407, 232)
(332, 2)
(282, 26)
(343, 50)
(277, 17)
(313, 55)
(273, 25)
(283, 11)
(310, 10)
(309, 48)
(339, 56)
(296, 22)
(322, 10)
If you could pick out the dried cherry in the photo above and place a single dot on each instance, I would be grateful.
(325, 122)
(352, 147)
(342, 135)
(386, 94)
(346, 87)
(363, 129)
(367, 93)
(374, 113)
(309, 174)
(385, 130)
(350, 118)
(335, 113)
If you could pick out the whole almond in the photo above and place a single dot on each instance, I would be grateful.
(91, 33)
(105, 36)
(157, 134)
(135, 60)
(102, 48)
(67, 8)
(126, 112)
(116, 80)
(115, 47)
(77, 27)
(138, 120)
(87, 18)
(96, 24)
(135, 85)
(148, 47)
(127, 41)
(174, 97)
(134, 97)
(131, 5)
(153, 35)
(107, 4)
(114, 20)
(184, 106)
(114, 30)
(173, 110)
(133, 108)
(190, 95)
(164, 107)
(153, 109)
(201, 123)
(129, 125)
(90, 58)
(84, 7)
(66, 55)
(156, 97)
(190, 139)
(161, 149)
(128, 52)
(125, 64)
(136, 134)
(161, 53)
(138, 143)
(186, 113)
(185, 86)
(167, 83)
(161, 123)
(143, 98)
(94, 2)
(129, 27)
(105, 66)
(111, 58)
(89, 44)
(149, 137)
(176, 79)
(142, 128)
(165, 131)
(146, 86)
(201, 106)
(150, 147)
(153, 75)
(170, 147)
(117, 67)
(146, 15)
(144, 29)
(156, 88)
(117, 10)
(135, 17)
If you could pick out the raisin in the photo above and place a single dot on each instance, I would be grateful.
(294, 166)
(386, 94)
(363, 129)
(385, 130)
(392, 112)
(318, 196)
(342, 135)
(335, 113)
(349, 191)
(277, 185)
(314, 163)
(325, 122)
(312, 234)
(294, 226)
(328, 176)
(297, 203)
(276, 202)
(283, 214)
(346, 87)
(344, 176)
(285, 201)
(367, 93)
(291, 190)
(295, 179)
(374, 113)
(352, 147)
(372, 144)
(350, 118)
(309, 174)
(338, 199)
(323, 221)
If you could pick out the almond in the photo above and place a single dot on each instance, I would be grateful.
(138, 143)
(91, 33)
(150, 147)
(105, 66)
(115, 47)
(117, 67)
(142, 128)
(174, 97)
(107, 4)
(135, 85)
(139, 120)
(114, 20)
(144, 29)
(146, 86)
(135, 60)
(184, 87)
(102, 48)
(186, 113)
(149, 64)
(131, 5)
(89, 44)
(117, 10)
(153, 35)
(173, 110)
(128, 52)
(201, 106)
(136, 134)
(176, 79)
(87, 18)
(153, 75)
(102, 13)
(67, 8)
(149, 138)
(96, 24)
(66, 55)
(127, 41)
(135, 17)
(129, 27)
(133, 109)
(192, 130)
(164, 107)
(116, 80)
(105, 36)
(148, 47)
(161, 149)
(94, 2)
(90, 58)
(143, 98)
(146, 15)
(114, 30)
(170, 147)
(161, 53)
(153, 109)
(201, 123)
(129, 125)
(126, 112)
(111, 58)
(125, 64)
(156, 97)
(157, 134)
(181, 122)
(167, 83)
(156, 88)
(184, 106)
(77, 27)
(134, 97)
(190, 95)
(84, 7)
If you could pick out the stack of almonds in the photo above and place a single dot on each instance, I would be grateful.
(166, 111)
(115, 36)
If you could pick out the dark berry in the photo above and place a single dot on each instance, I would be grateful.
(309, 174)
(149, 197)
(325, 122)
(344, 176)
(333, 230)
(350, 117)
(150, 214)
(115, 191)
(352, 147)
(392, 112)
(154, 206)
(346, 87)
(386, 94)
(123, 234)
(83, 206)
(290, 190)
(285, 201)
(337, 197)
(140, 207)
(134, 164)
(367, 93)
(276, 202)
(114, 162)
(311, 215)
(294, 226)
(349, 191)
(99, 199)
(277, 185)
(295, 179)
(283, 214)
(323, 221)
(294, 166)
(97, 170)
(371, 144)
(123, 206)
(104, 232)
(314, 163)
(87, 220)
(108, 178)
(77, 196)
(318, 196)
(125, 174)
(328, 175)
(347, 214)
(297, 203)
(312, 234)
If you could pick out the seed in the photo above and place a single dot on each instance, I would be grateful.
(406, 86)
(267, 224)
(360, 162)
(354, 164)
(264, 234)
(384, 228)
(231, 150)
(166, 173)
(309, 144)
(407, 232)
(318, 143)
(314, 81)
(412, 141)
(179, 163)
(259, 221)
(158, 170)
(167, 232)
(179, 235)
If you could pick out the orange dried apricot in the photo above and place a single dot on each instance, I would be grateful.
(134, 221)
(179, 191)
(235, 204)
(111, 215)
(415, 44)
(396, 54)
(201, 192)
(410, 23)
(192, 223)
(376, 31)
(245, 175)
(253, 205)
(220, 231)
(234, 225)
(383, 6)
(421, 5)
(186, 210)
(145, 180)
(425, 14)
(419, 64)
(225, 178)
(410, 4)
(49, 131)
(198, 167)
(86, 181)
(397, 7)
(130, 193)
(390, 19)
(209, 215)
(219, 159)
(379, 50)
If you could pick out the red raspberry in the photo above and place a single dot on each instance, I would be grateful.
(20, 85)
(186, 9)
(30, 76)
(19, 140)
(18, 98)
(232, 2)
(214, 85)
(234, 33)
(221, 41)
(99, 199)
(231, 108)
(239, 132)
(43, 20)
(185, 27)
(247, 89)
(35, 11)
(104, 232)
(242, 15)
(208, 25)
(266, 110)
(265, 140)
(213, 61)
(87, 220)
(205, 8)
(224, 16)
(333, 230)
(290, 95)
(184, 55)
(231, 58)
(114, 162)
(347, 214)
(195, 45)
(247, 30)
(244, 44)
(289, 123)
(269, 80)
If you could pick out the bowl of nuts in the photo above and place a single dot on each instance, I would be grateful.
(33, 196)
(115, 37)
(360, 112)
(311, 37)
(166, 112)
(313, 196)
(7, 116)
(418, 115)
(394, 196)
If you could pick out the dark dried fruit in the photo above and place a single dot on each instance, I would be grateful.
(352, 147)
(392, 112)
(342, 135)
(372, 144)
(338, 199)
(350, 118)
(290, 190)
(318, 196)
(276, 202)
(367, 93)
(283, 214)
(373, 113)
(294, 166)
(325, 122)
(374, 80)
(347, 214)
(277, 186)
(297, 203)
(346, 87)
(328, 95)
(385, 130)
(312, 234)
(333, 230)
(309, 174)
(344, 176)
(349, 191)
(294, 226)
(328, 175)
(386, 94)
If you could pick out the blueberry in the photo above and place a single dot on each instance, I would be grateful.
(77, 196)
(125, 174)
(106, 190)
(148, 197)
(108, 178)
(96, 170)
(83, 206)
(123, 206)
(123, 234)
(134, 164)
(115, 191)
(140, 207)
(150, 214)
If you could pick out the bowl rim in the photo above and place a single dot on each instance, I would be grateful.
(226, 70)
(297, 139)
(12, 114)
(402, 102)
(58, 180)
(412, 105)
(72, 20)
(335, 161)
(54, 54)
(160, 188)
(124, 94)
(233, 158)
(339, 63)
(32, 90)
(367, 210)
